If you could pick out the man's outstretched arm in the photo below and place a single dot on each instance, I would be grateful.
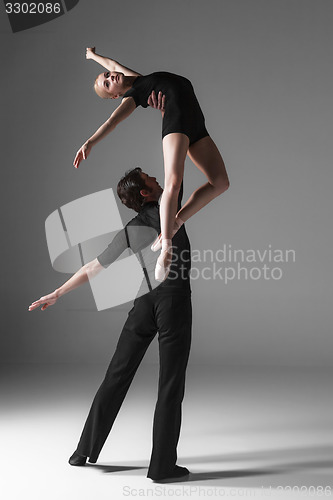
(86, 272)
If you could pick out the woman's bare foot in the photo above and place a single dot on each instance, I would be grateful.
(157, 245)
(164, 260)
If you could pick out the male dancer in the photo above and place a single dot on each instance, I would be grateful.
(165, 309)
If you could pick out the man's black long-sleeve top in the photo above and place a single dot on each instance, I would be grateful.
(138, 235)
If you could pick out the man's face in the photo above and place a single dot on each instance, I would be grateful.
(154, 190)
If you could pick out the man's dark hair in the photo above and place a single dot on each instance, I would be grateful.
(129, 188)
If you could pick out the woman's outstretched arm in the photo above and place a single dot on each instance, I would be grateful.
(89, 270)
(126, 107)
(108, 63)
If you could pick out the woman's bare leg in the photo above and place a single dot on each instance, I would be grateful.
(208, 159)
(175, 147)
(205, 155)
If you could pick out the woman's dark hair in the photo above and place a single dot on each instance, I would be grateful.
(129, 188)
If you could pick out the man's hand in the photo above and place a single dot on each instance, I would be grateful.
(90, 51)
(82, 154)
(157, 102)
(46, 301)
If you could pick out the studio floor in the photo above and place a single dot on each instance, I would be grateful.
(246, 433)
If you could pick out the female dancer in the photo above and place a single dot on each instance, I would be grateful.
(183, 132)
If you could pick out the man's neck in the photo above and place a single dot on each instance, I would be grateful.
(148, 199)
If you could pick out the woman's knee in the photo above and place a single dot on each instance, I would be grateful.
(172, 184)
(221, 184)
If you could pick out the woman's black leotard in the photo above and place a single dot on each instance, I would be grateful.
(182, 110)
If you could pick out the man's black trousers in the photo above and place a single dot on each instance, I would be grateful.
(169, 314)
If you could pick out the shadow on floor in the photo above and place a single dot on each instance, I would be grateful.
(286, 462)
(223, 474)
(228, 474)
(114, 468)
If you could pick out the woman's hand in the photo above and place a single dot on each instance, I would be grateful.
(46, 301)
(157, 102)
(90, 51)
(82, 154)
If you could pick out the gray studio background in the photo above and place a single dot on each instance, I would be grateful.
(262, 70)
